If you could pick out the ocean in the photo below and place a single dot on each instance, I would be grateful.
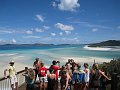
(27, 54)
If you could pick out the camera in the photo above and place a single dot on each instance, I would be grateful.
(57, 61)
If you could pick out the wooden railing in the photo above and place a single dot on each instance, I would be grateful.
(5, 82)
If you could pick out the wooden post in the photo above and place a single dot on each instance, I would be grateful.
(114, 81)
(94, 61)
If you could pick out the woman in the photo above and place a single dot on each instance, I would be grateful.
(51, 80)
(65, 77)
(95, 77)
(87, 75)
(30, 78)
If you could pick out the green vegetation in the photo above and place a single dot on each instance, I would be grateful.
(106, 43)
(112, 66)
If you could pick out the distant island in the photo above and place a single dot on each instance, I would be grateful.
(36, 44)
(109, 43)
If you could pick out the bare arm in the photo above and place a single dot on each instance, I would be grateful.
(103, 74)
(5, 73)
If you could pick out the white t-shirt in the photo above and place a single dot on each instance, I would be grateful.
(87, 75)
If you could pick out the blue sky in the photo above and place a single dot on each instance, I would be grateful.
(59, 21)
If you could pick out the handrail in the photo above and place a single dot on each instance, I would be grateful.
(5, 82)
(3, 78)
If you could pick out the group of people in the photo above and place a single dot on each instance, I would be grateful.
(67, 77)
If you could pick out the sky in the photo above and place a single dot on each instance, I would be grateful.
(59, 21)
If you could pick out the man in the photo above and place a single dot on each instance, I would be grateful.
(12, 74)
(36, 66)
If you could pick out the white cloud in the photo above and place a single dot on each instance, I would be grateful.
(28, 32)
(67, 32)
(2, 41)
(53, 34)
(54, 4)
(95, 29)
(60, 33)
(95, 25)
(69, 40)
(7, 31)
(77, 40)
(118, 27)
(46, 27)
(68, 5)
(31, 36)
(13, 41)
(64, 27)
(40, 17)
(76, 33)
(39, 30)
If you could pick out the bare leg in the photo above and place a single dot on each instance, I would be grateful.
(16, 84)
(45, 86)
(40, 85)
(12, 86)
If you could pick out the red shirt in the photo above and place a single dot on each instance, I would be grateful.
(56, 68)
(42, 71)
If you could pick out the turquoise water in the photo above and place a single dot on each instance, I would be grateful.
(27, 54)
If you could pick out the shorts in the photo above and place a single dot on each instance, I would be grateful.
(43, 78)
(13, 79)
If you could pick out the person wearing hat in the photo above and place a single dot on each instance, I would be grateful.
(12, 75)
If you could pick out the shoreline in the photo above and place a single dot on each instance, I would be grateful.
(101, 48)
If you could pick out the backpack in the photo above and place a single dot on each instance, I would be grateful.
(78, 78)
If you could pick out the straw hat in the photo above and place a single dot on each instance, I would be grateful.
(11, 62)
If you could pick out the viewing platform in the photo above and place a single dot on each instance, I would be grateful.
(23, 86)
(5, 82)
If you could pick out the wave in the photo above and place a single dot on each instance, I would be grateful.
(101, 48)
(13, 54)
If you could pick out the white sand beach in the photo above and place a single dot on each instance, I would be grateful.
(97, 48)
(105, 48)
(86, 59)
